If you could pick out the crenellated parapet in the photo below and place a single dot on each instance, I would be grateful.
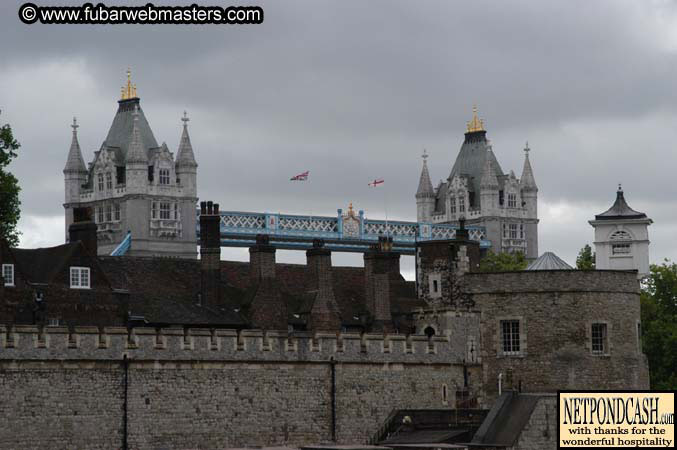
(23, 342)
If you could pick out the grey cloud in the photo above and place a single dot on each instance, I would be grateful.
(355, 90)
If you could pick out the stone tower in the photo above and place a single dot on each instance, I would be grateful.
(622, 238)
(135, 185)
(478, 190)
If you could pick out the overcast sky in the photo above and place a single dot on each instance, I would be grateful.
(355, 90)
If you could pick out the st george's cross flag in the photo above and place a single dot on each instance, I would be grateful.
(376, 182)
(300, 177)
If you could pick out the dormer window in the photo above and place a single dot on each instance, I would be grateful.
(164, 176)
(461, 204)
(8, 274)
(452, 205)
(512, 200)
(99, 178)
(109, 181)
(80, 278)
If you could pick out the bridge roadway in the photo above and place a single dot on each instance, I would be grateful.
(347, 232)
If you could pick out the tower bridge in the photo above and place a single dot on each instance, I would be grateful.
(348, 231)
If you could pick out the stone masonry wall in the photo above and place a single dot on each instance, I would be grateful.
(210, 389)
(555, 311)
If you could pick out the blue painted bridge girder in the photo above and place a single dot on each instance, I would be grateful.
(349, 232)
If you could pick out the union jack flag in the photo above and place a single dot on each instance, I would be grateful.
(300, 177)
(376, 182)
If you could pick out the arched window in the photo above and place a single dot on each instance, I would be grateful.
(429, 331)
(620, 235)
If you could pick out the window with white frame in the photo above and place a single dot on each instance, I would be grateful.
(510, 337)
(620, 249)
(109, 213)
(116, 212)
(99, 214)
(512, 200)
(80, 278)
(165, 210)
(109, 181)
(8, 274)
(452, 205)
(100, 181)
(513, 231)
(599, 338)
(461, 204)
(164, 176)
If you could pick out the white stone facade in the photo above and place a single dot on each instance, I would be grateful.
(133, 184)
(479, 191)
(622, 238)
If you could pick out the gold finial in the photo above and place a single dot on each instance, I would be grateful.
(476, 124)
(128, 91)
(351, 213)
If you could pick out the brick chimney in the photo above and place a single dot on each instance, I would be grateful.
(83, 229)
(262, 259)
(210, 254)
(381, 275)
(268, 309)
(324, 314)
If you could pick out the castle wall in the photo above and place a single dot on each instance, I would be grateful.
(213, 389)
(556, 310)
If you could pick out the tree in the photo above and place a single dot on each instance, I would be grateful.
(9, 188)
(659, 324)
(585, 259)
(503, 262)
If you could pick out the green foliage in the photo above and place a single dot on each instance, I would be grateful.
(585, 259)
(9, 188)
(503, 262)
(659, 323)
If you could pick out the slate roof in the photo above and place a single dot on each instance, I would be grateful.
(166, 290)
(425, 186)
(120, 133)
(620, 210)
(470, 161)
(40, 265)
(549, 261)
(506, 420)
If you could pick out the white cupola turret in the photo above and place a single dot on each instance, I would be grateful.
(622, 238)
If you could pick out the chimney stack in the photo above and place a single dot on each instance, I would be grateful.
(262, 259)
(268, 309)
(324, 314)
(381, 272)
(210, 254)
(83, 229)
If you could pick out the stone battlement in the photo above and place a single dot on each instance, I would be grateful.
(22, 342)
(615, 281)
